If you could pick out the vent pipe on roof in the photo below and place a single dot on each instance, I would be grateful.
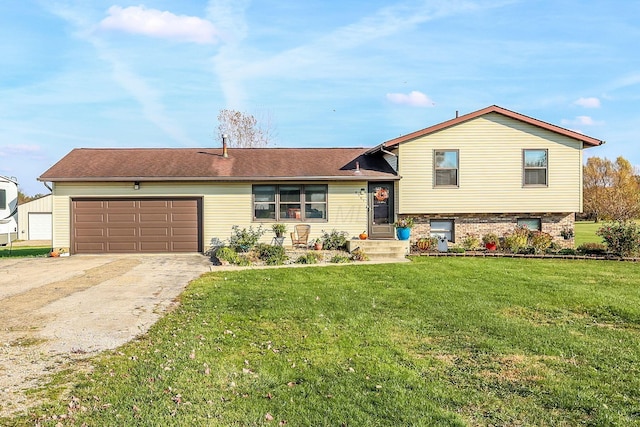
(357, 171)
(225, 146)
(457, 114)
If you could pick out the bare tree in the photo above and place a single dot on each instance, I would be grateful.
(611, 189)
(244, 130)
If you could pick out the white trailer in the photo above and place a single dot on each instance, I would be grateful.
(8, 209)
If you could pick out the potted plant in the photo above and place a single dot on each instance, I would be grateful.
(490, 241)
(567, 233)
(279, 228)
(403, 227)
(317, 245)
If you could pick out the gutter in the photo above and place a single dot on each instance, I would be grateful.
(360, 177)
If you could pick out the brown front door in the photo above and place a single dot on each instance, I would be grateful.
(381, 211)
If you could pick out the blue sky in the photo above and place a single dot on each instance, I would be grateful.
(328, 73)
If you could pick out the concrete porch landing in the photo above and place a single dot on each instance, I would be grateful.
(381, 250)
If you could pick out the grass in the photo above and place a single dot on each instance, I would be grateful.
(586, 232)
(437, 342)
(24, 251)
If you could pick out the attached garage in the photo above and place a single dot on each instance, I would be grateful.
(124, 225)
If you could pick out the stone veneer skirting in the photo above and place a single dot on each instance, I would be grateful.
(500, 224)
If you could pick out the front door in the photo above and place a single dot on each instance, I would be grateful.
(381, 212)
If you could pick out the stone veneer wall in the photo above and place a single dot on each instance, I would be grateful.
(500, 224)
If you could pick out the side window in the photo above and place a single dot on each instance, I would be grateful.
(443, 228)
(264, 202)
(445, 168)
(534, 165)
(3, 199)
(531, 223)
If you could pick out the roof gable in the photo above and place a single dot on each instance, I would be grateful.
(589, 141)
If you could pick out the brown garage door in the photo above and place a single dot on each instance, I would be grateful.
(136, 225)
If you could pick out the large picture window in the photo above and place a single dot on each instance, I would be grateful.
(445, 168)
(535, 167)
(290, 202)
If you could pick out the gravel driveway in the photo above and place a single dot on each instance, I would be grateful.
(56, 311)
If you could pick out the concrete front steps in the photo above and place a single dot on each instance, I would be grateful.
(381, 250)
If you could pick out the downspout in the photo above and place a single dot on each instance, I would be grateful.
(47, 185)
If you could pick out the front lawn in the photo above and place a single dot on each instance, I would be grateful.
(435, 342)
(23, 251)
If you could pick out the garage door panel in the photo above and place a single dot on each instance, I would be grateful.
(122, 232)
(179, 231)
(90, 247)
(126, 218)
(136, 225)
(89, 232)
(147, 232)
(124, 247)
(155, 247)
(155, 204)
(93, 204)
(154, 217)
(88, 217)
(121, 204)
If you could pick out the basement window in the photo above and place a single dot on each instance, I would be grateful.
(443, 228)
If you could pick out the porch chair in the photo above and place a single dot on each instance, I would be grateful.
(300, 235)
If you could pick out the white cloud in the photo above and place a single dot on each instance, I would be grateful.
(591, 102)
(412, 99)
(582, 121)
(156, 23)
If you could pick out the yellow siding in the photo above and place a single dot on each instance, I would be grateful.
(224, 205)
(490, 170)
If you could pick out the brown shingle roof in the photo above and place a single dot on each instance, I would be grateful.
(159, 164)
(589, 141)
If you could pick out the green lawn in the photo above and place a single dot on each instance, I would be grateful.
(586, 232)
(23, 251)
(435, 342)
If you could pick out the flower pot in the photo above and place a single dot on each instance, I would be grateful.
(490, 246)
(317, 246)
(403, 233)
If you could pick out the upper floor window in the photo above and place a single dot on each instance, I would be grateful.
(3, 199)
(290, 202)
(445, 166)
(534, 164)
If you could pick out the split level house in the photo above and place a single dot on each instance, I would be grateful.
(489, 170)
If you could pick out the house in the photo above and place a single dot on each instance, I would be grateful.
(8, 209)
(34, 219)
(487, 170)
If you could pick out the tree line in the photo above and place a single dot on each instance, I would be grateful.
(611, 190)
